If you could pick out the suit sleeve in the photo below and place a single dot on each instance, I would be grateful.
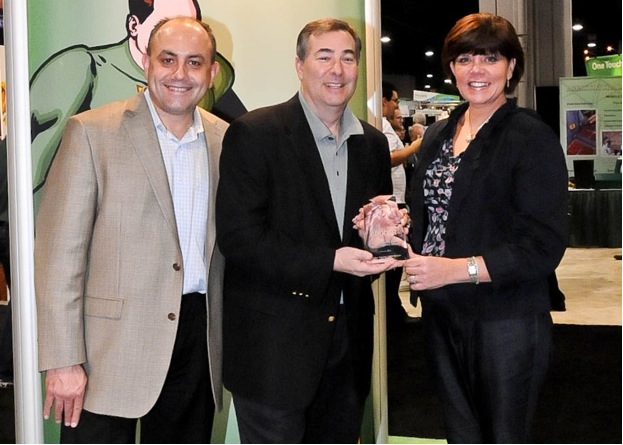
(63, 230)
(537, 232)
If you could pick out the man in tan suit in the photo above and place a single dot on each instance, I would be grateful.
(128, 276)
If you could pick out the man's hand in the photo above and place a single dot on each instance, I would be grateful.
(64, 388)
(361, 262)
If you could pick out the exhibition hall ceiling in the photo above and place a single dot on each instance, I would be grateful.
(415, 27)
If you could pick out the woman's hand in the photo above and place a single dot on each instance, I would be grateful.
(432, 272)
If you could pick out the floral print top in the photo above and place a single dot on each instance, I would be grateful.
(437, 193)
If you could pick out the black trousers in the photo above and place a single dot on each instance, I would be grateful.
(488, 373)
(184, 411)
(6, 329)
(333, 416)
(393, 304)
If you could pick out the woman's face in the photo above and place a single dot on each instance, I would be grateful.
(481, 79)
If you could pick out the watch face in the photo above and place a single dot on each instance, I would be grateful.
(472, 270)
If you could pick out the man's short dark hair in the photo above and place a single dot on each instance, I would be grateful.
(323, 26)
(388, 90)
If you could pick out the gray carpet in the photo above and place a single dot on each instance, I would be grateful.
(580, 402)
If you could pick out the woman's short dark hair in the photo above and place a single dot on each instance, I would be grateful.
(484, 33)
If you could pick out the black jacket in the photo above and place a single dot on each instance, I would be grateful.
(509, 204)
(277, 229)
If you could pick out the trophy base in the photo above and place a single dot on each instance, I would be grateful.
(393, 251)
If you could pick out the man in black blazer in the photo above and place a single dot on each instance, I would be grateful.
(298, 304)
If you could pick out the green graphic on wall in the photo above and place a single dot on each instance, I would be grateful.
(79, 77)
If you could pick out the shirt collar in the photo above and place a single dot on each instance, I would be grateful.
(191, 134)
(349, 124)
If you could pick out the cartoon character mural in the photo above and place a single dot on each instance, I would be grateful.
(81, 77)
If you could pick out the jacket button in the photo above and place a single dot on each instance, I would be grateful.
(331, 318)
(176, 267)
(171, 316)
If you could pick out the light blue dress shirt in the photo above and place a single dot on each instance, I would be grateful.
(186, 162)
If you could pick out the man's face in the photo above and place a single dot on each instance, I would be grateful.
(162, 10)
(328, 74)
(179, 71)
(396, 120)
(390, 106)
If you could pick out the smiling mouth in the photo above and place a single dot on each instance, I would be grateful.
(178, 89)
(478, 84)
(334, 85)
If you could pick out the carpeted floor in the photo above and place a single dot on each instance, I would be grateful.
(580, 403)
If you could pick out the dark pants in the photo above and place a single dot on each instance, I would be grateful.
(488, 373)
(6, 329)
(184, 411)
(333, 416)
(395, 312)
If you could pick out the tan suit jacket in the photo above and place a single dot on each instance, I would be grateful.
(108, 264)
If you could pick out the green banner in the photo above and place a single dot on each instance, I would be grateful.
(604, 66)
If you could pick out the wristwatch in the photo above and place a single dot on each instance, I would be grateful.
(472, 270)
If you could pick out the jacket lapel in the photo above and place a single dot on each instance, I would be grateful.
(304, 147)
(472, 157)
(142, 134)
(356, 182)
(214, 130)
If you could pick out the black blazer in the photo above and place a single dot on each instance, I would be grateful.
(278, 232)
(509, 204)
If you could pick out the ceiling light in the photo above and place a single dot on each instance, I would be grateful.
(430, 76)
(577, 27)
(591, 45)
(427, 87)
(449, 81)
(385, 39)
(428, 53)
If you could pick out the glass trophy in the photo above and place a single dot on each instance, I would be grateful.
(384, 228)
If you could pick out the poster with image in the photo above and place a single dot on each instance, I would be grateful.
(611, 143)
(581, 134)
(590, 121)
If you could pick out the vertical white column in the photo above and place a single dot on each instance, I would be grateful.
(28, 419)
(372, 44)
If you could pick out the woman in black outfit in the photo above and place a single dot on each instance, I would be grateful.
(488, 205)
